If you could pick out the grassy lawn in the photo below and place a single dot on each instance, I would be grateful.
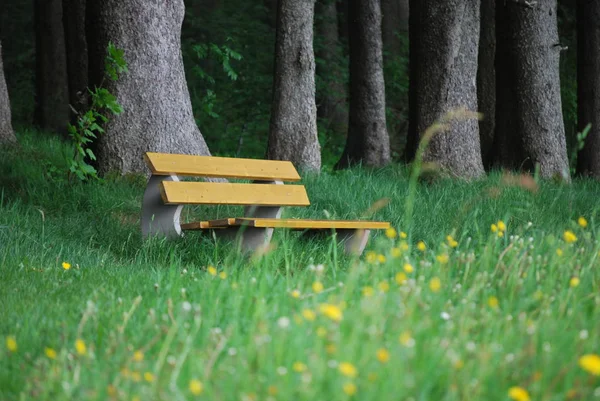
(481, 315)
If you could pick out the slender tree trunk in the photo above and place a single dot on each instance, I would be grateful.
(293, 130)
(414, 49)
(368, 141)
(7, 134)
(331, 95)
(443, 79)
(157, 109)
(394, 22)
(52, 93)
(486, 80)
(76, 50)
(588, 85)
(529, 122)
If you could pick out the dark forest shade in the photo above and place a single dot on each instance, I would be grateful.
(588, 88)
(76, 50)
(529, 122)
(443, 70)
(6, 132)
(293, 128)
(51, 97)
(486, 80)
(368, 141)
(154, 94)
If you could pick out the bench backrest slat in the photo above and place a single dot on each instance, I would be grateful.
(220, 167)
(213, 193)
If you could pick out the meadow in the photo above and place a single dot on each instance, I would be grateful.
(488, 290)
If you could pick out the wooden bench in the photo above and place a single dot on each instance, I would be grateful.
(263, 199)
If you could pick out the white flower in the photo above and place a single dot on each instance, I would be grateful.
(283, 322)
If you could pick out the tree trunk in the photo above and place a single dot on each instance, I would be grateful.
(443, 75)
(588, 85)
(368, 141)
(6, 132)
(529, 121)
(76, 50)
(394, 21)
(332, 105)
(157, 109)
(486, 80)
(52, 93)
(293, 129)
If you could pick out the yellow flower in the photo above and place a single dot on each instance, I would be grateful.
(138, 356)
(559, 252)
(66, 265)
(400, 278)
(381, 258)
(272, 390)
(125, 372)
(390, 233)
(295, 294)
(501, 225)
(493, 302)
(582, 222)
(136, 376)
(371, 257)
(149, 377)
(518, 394)
(223, 275)
(196, 387)
(367, 291)
(330, 348)
(569, 237)
(443, 258)
(383, 355)
(403, 235)
(404, 246)
(406, 339)
(421, 246)
(212, 270)
(574, 282)
(111, 390)
(80, 346)
(384, 286)
(309, 314)
(331, 311)
(348, 369)
(321, 332)
(451, 241)
(435, 284)
(458, 364)
(494, 228)
(11, 343)
(500, 234)
(590, 363)
(50, 353)
(317, 287)
(299, 367)
(396, 252)
(135, 398)
(408, 268)
(349, 388)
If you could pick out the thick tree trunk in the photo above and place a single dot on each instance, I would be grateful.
(443, 75)
(157, 109)
(293, 130)
(529, 122)
(486, 80)
(52, 93)
(6, 132)
(76, 49)
(368, 141)
(331, 98)
(588, 87)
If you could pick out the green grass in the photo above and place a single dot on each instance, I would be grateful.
(245, 336)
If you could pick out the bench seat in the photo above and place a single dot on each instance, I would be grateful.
(294, 224)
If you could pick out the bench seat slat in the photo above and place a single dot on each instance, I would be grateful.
(213, 193)
(297, 224)
(220, 167)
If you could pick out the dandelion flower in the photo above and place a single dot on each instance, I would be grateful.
(136, 376)
(272, 390)
(421, 246)
(348, 369)
(404, 246)
(381, 258)
(196, 387)
(574, 282)
(331, 311)
(396, 252)
(390, 233)
(138, 356)
(501, 225)
(494, 228)
(559, 252)
(384, 286)
(66, 265)
(330, 348)
(50, 353)
(299, 367)
(367, 291)
(321, 332)
(383, 355)
(406, 339)
(349, 388)
(111, 390)
(408, 268)
(309, 314)
(493, 302)
(582, 222)
(569, 237)
(518, 394)
(443, 258)
(403, 235)
(222, 275)
(317, 287)
(400, 278)
(80, 346)
(590, 363)
(149, 377)
(11, 343)
(295, 294)
(371, 257)
(212, 270)
(435, 284)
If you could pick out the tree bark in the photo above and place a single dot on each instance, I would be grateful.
(293, 128)
(486, 80)
(588, 85)
(7, 134)
(76, 50)
(529, 121)
(157, 109)
(52, 93)
(443, 75)
(332, 104)
(368, 141)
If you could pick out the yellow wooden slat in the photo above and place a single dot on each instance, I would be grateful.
(299, 224)
(216, 193)
(220, 167)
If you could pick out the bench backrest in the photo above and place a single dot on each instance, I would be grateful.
(226, 193)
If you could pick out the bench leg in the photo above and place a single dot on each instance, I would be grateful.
(248, 239)
(157, 218)
(354, 241)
